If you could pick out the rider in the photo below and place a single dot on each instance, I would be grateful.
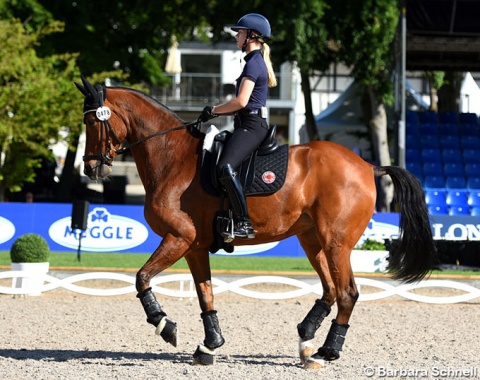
(249, 107)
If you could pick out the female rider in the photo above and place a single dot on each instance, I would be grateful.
(249, 107)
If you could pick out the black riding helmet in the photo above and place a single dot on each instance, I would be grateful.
(253, 21)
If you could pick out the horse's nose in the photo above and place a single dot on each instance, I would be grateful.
(88, 171)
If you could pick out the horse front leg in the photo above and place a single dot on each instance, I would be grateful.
(199, 264)
(170, 250)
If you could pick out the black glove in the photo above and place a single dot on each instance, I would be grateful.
(207, 114)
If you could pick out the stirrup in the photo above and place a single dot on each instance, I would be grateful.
(244, 229)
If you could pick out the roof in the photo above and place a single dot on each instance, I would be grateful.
(443, 35)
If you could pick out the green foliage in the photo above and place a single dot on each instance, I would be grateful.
(30, 248)
(372, 245)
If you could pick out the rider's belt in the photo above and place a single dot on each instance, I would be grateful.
(262, 112)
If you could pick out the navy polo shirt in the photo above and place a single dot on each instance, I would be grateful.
(256, 70)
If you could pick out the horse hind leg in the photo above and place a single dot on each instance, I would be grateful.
(322, 307)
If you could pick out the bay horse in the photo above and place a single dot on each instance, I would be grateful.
(327, 201)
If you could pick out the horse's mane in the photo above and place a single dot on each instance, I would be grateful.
(147, 97)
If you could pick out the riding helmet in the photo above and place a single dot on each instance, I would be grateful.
(253, 21)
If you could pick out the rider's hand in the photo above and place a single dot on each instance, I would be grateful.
(207, 114)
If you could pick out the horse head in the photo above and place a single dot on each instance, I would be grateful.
(101, 139)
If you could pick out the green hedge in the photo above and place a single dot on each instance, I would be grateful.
(30, 248)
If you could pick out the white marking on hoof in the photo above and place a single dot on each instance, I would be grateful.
(161, 326)
(314, 362)
(305, 349)
(206, 350)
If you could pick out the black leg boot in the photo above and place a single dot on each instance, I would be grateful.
(231, 182)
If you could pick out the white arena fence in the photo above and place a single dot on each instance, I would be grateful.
(183, 287)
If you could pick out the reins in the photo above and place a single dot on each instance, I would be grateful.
(103, 114)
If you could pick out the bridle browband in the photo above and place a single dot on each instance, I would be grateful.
(104, 157)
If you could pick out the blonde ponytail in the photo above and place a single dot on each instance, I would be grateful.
(272, 79)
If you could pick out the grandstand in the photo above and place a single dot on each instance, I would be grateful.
(443, 151)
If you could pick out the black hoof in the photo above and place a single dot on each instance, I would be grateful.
(167, 329)
(328, 353)
(203, 356)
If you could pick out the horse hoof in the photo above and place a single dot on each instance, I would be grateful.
(167, 329)
(305, 349)
(314, 362)
(328, 353)
(203, 356)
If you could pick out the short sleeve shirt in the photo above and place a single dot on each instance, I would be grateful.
(256, 70)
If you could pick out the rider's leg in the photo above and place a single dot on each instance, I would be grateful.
(231, 182)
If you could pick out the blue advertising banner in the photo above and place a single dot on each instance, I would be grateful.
(122, 228)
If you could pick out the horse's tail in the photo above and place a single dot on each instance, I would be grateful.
(414, 254)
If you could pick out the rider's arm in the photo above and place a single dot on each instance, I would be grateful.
(239, 102)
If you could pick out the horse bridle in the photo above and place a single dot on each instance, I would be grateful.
(103, 114)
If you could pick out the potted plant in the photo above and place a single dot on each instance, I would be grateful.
(369, 255)
(30, 254)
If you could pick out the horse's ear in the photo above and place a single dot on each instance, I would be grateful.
(81, 89)
(88, 86)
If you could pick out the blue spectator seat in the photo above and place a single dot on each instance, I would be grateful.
(438, 210)
(448, 129)
(475, 211)
(431, 155)
(413, 155)
(472, 170)
(452, 156)
(473, 183)
(468, 130)
(455, 182)
(453, 169)
(435, 197)
(457, 198)
(429, 142)
(468, 118)
(428, 130)
(471, 156)
(432, 168)
(474, 198)
(411, 129)
(449, 142)
(415, 168)
(433, 182)
(411, 117)
(427, 117)
(459, 210)
(447, 117)
(470, 142)
(412, 142)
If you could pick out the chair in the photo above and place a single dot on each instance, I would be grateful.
(468, 130)
(474, 198)
(452, 169)
(429, 129)
(475, 211)
(448, 129)
(452, 156)
(448, 117)
(459, 210)
(432, 168)
(433, 182)
(449, 142)
(411, 129)
(472, 170)
(470, 142)
(455, 182)
(411, 117)
(413, 155)
(435, 198)
(431, 155)
(415, 168)
(412, 142)
(438, 210)
(473, 183)
(468, 118)
(425, 117)
(471, 156)
(429, 142)
(457, 198)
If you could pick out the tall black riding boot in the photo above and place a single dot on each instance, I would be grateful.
(231, 182)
